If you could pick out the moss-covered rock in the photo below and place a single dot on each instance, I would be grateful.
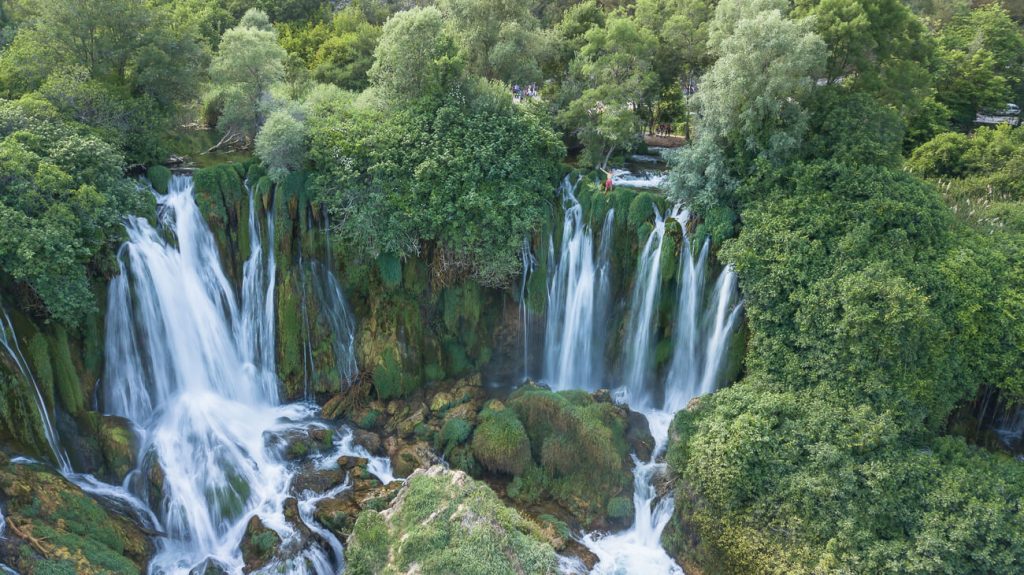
(259, 544)
(444, 522)
(500, 442)
(56, 528)
(579, 454)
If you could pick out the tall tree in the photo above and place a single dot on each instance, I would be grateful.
(248, 62)
(752, 104)
(614, 72)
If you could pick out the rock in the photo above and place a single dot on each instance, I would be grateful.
(412, 456)
(210, 566)
(440, 402)
(259, 544)
(368, 440)
(407, 426)
(454, 520)
(338, 514)
(638, 435)
(119, 446)
(54, 527)
(310, 478)
(301, 443)
(603, 396)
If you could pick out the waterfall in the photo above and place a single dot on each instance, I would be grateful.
(339, 319)
(9, 341)
(578, 298)
(638, 368)
(702, 332)
(194, 371)
(529, 263)
(256, 330)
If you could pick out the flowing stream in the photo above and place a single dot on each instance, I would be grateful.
(701, 334)
(193, 369)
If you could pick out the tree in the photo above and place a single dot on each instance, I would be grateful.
(990, 29)
(281, 143)
(416, 58)
(497, 39)
(615, 71)
(752, 105)
(339, 52)
(247, 63)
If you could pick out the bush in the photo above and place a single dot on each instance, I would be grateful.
(500, 443)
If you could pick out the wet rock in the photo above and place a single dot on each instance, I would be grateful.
(119, 446)
(310, 478)
(409, 457)
(603, 396)
(465, 521)
(260, 544)
(54, 527)
(368, 440)
(338, 514)
(441, 402)
(210, 566)
(638, 435)
(301, 443)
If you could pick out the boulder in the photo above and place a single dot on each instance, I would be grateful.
(444, 522)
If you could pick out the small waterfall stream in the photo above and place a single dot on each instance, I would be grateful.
(9, 341)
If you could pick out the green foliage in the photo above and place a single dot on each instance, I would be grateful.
(249, 60)
(497, 39)
(641, 210)
(415, 59)
(281, 144)
(62, 198)
(389, 379)
(412, 175)
(751, 103)
(613, 74)
(340, 51)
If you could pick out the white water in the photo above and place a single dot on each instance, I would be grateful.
(647, 180)
(578, 303)
(194, 370)
(578, 299)
(9, 341)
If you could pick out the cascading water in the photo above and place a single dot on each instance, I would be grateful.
(639, 365)
(194, 371)
(9, 341)
(341, 322)
(704, 324)
(578, 296)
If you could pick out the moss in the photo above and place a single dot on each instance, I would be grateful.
(500, 443)
(39, 354)
(433, 372)
(620, 507)
(389, 267)
(471, 303)
(663, 352)
(580, 447)
(68, 526)
(458, 362)
(389, 380)
(159, 177)
(369, 420)
(669, 261)
(20, 416)
(290, 336)
(455, 432)
(560, 527)
(641, 209)
(444, 522)
(452, 308)
(367, 552)
(69, 387)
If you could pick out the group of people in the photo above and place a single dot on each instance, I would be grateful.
(528, 91)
